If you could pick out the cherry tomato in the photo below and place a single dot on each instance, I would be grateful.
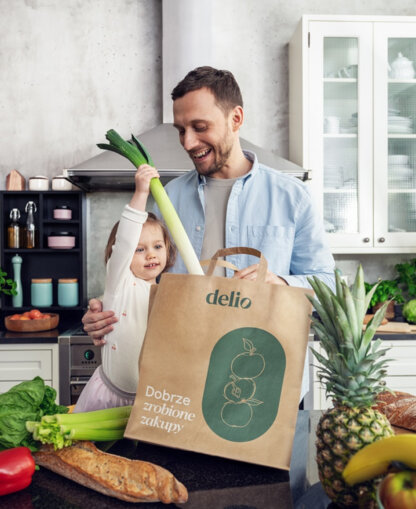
(34, 314)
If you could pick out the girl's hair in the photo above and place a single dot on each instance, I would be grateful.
(152, 219)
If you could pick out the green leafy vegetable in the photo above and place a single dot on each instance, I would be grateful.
(409, 311)
(27, 401)
(7, 285)
(385, 290)
(407, 278)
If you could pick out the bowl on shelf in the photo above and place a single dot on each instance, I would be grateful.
(398, 159)
(61, 240)
(32, 325)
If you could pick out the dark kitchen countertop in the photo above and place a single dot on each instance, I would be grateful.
(49, 336)
(15, 338)
(212, 483)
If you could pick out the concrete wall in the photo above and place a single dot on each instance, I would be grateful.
(70, 70)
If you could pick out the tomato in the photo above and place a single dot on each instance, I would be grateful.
(15, 317)
(34, 313)
(27, 314)
(23, 317)
(42, 317)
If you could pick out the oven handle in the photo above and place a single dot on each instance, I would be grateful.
(80, 382)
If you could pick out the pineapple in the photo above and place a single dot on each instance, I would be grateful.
(352, 371)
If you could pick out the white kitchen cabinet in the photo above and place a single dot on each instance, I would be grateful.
(353, 124)
(401, 371)
(20, 362)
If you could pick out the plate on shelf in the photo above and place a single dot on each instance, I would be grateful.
(32, 325)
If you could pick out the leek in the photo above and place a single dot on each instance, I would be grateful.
(136, 153)
(99, 425)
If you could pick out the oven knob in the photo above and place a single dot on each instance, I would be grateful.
(89, 355)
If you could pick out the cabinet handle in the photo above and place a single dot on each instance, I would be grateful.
(381, 239)
(366, 239)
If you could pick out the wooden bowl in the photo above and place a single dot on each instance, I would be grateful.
(32, 325)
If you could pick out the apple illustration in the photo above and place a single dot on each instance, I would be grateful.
(248, 364)
(398, 490)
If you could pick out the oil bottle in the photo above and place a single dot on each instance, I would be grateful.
(30, 233)
(13, 230)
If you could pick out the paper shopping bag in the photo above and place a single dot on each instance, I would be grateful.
(221, 366)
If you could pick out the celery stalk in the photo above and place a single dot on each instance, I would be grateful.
(96, 435)
(94, 416)
(111, 424)
(135, 152)
(61, 429)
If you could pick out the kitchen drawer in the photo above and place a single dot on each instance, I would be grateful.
(19, 362)
(401, 371)
(5, 386)
(26, 364)
(402, 383)
(403, 358)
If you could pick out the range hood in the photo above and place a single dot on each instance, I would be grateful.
(109, 171)
(183, 49)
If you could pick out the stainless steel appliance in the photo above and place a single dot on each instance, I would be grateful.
(78, 359)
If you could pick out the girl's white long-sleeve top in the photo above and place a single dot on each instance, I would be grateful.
(128, 297)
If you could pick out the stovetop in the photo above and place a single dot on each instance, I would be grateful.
(75, 331)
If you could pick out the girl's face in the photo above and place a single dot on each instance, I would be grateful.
(149, 260)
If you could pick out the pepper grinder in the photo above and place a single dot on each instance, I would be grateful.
(17, 299)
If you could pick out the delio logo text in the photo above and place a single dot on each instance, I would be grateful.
(233, 300)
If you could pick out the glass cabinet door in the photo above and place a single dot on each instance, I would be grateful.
(340, 77)
(395, 135)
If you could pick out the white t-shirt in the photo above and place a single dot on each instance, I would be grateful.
(128, 297)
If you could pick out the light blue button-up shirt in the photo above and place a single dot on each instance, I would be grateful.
(268, 210)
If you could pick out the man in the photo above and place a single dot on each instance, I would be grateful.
(233, 200)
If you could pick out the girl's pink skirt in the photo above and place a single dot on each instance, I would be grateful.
(100, 393)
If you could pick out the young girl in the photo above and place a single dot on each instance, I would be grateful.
(138, 251)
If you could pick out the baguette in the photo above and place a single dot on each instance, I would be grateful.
(126, 479)
(399, 408)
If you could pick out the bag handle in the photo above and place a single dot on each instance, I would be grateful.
(262, 271)
(220, 263)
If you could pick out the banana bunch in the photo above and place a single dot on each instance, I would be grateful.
(374, 459)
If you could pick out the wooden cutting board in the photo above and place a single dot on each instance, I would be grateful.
(15, 181)
(398, 327)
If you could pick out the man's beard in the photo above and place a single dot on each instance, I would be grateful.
(219, 163)
(221, 157)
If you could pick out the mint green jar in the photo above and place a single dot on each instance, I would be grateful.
(41, 292)
(68, 292)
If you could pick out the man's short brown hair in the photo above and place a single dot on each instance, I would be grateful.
(221, 83)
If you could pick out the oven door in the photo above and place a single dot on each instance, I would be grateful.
(76, 384)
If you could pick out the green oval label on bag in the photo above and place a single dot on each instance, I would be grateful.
(244, 384)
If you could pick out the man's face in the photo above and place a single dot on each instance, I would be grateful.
(205, 131)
